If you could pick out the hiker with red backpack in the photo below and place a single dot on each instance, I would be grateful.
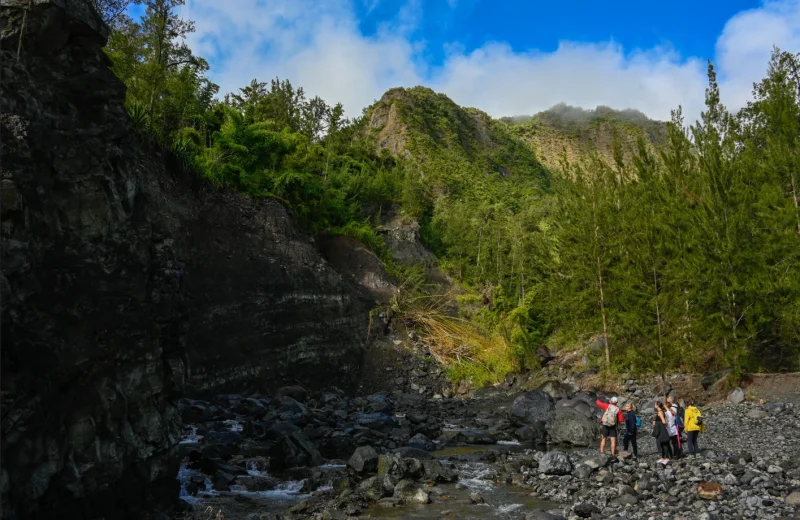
(612, 416)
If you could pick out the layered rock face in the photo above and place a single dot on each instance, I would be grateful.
(125, 286)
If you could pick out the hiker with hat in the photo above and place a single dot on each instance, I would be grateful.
(612, 416)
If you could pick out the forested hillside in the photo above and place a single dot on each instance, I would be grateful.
(679, 247)
(576, 132)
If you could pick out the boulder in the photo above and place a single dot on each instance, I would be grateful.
(375, 421)
(570, 426)
(596, 460)
(421, 442)
(558, 390)
(411, 492)
(531, 407)
(582, 471)
(555, 463)
(373, 488)
(737, 396)
(708, 490)
(532, 433)
(436, 472)
(292, 451)
(585, 510)
(298, 393)
(364, 461)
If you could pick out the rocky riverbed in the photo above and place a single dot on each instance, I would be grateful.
(499, 454)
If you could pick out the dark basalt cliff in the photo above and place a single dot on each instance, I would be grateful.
(125, 285)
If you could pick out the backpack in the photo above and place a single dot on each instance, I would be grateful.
(610, 416)
(638, 422)
(679, 417)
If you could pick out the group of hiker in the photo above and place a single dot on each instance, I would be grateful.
(670, 425)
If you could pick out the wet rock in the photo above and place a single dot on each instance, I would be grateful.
(225, 437)
(531, 407)
(737, 396)
(436, 472)
(411, 492)
(475, 437)
(532, 433)
(364, 461)
(421, 442)
(373, 488)
(476, 498)
(375, 421)
(555, 463)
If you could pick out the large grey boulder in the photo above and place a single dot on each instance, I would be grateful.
(569, 426)
(531, 407)
(555, 463)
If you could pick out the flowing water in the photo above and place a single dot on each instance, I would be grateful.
(501, 501)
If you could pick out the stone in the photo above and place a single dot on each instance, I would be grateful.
(596, 460)
(793, 499)
(531, 407)
(411, 492)
(476, 498)
(570, 426)
(757, 414)
(532, 433)
(582, 471)
(585, 510)
(555, 463)
(375, 421)
(737, 396)
(557, 390)
(709, 490)
(364, 461)
(373, 488)
(421, 442)
(628, 500)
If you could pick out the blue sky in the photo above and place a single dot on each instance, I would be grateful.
(505, 57)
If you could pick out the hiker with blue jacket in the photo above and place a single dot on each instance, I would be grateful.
(631, 429)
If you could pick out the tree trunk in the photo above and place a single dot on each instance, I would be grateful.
(658, 326)
(796, 207)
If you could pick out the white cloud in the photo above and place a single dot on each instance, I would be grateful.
(318, 45)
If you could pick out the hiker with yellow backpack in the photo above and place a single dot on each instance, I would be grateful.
(694, 424)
